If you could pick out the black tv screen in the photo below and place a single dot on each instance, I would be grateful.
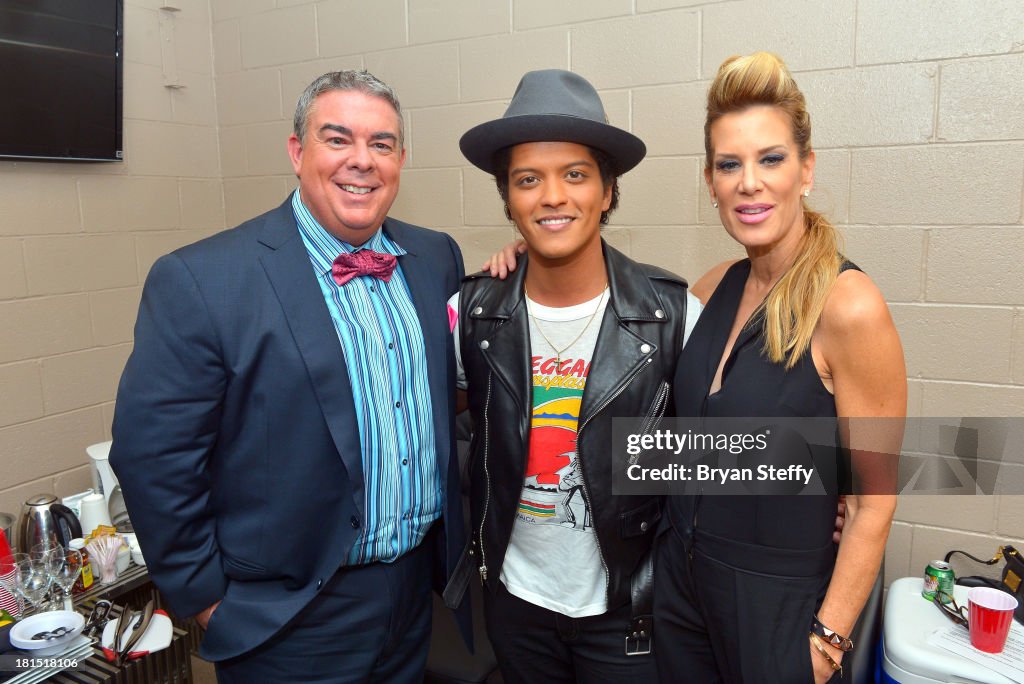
(61, 79)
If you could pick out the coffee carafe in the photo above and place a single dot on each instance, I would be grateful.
(44, 521)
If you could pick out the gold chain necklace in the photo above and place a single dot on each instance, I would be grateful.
(558, 352)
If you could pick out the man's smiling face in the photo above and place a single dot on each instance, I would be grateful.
(349, 163)
(556, 197)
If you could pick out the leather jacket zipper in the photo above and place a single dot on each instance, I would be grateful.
(654, 415)
(620, 390)
(487, 478)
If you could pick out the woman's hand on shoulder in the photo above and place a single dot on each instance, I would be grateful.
(708, 283)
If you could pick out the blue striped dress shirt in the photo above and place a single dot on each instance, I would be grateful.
(386, 360)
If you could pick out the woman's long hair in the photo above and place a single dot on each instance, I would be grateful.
(792, 308)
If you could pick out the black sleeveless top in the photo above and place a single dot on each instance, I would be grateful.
(753, 386)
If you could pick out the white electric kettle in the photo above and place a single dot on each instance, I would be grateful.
(104, 480)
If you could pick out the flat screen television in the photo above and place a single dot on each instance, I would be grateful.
(61, 79)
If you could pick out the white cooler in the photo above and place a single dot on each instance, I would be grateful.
(907, 657)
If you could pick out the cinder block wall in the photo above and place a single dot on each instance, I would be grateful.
(918, 129)
(76, 242)
(917, 122)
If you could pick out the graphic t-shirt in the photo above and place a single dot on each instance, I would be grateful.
(553, 559)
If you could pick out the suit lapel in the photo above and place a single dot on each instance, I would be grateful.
(291, 275)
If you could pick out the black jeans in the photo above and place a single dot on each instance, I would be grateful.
(534, 644)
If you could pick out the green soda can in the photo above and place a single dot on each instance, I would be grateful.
(938, 576)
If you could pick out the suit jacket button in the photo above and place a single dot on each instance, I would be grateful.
(355, 522)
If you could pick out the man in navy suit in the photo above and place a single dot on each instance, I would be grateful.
(284, 427)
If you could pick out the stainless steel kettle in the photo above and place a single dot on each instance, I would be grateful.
(45, 521)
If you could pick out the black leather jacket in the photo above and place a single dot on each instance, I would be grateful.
(638, 345)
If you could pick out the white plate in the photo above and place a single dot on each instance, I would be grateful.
(22, 632)
(80, 648)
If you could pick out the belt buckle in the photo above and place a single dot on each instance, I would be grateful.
(639, 640)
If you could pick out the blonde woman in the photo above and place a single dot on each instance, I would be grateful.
(752, 588)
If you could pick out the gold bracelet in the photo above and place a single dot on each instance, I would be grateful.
(836, 667)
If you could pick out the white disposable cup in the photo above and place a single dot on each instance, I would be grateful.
(94, 513)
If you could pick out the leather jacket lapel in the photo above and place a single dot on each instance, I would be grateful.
(507, 350)
(621, 352)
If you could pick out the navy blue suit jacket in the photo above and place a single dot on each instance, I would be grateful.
(235, 436)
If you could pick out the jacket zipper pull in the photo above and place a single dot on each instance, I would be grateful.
(483, 574)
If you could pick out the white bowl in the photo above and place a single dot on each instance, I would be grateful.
(134, 548)
(21, 634)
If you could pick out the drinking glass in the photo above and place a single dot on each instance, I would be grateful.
(52, 558)
(67, 574)
(32, 580)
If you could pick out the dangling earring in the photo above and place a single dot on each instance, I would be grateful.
(807, 193)
(714, 203)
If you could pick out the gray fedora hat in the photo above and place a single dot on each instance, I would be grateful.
(553, 105)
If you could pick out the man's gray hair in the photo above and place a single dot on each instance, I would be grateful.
(360, 81)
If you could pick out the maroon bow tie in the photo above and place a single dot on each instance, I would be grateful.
(364, 262)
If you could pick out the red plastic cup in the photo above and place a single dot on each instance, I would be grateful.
(990, 613)
(6, 557)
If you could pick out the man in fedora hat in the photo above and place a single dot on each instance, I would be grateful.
(576, 336)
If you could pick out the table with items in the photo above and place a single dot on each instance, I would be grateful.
(83, 660)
